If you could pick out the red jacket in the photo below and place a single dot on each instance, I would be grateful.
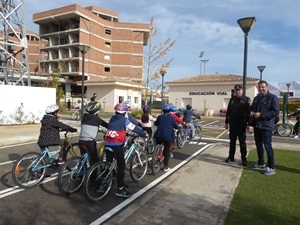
(177, 119)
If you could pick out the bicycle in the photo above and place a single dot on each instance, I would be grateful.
(29, 170)
(101, 175)
(157, 158)
(285, 129)
(72, 174)
(76, 115)
(185, 133)
(68, 146)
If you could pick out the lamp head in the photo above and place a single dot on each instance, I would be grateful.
(246, 24)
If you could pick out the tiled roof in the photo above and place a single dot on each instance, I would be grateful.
(111, 79)
(212, 78)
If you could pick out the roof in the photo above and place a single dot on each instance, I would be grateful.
(212, 78)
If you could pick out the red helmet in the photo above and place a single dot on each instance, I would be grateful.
(121, 108)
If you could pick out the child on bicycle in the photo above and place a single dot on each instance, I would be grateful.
(115, 140)
(165, 133)
(147, 120)
(187, 118)
(173, 110)
(49, 132)
(296, 114)
(89, 130)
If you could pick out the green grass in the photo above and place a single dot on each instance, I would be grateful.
(268, 200)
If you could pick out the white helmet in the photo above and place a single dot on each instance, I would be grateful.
(52, 109)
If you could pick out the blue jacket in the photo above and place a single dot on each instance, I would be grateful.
(187, 116)
(165, 128)
(268, 106)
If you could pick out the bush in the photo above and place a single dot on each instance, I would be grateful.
(136, 113)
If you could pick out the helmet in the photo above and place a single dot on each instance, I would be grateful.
(146, 109)
(51, 109)
(188, 107)
(121, 108)
(93, 107)
(173, 108)
(166, 108)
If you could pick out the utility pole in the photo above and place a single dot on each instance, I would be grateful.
(204, 62)
(200, 56)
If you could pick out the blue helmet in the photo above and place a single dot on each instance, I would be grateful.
(173, 108)
(166, 108)
(121, 108)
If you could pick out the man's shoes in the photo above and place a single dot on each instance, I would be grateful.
(228, 160)
(244, 163)
(123, 193)
(296, 136)
(270, 171)
(257, 166)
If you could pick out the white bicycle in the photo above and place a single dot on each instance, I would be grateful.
(285, 129)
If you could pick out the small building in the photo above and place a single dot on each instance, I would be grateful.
(208, 94)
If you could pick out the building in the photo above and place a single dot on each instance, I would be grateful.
(116, 49)
(208, 93)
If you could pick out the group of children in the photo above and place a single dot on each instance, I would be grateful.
(115, 136)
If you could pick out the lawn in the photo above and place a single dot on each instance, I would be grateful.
(268, 200)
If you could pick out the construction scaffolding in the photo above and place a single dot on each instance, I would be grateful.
(14, 61)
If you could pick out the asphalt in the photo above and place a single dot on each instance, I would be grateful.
(199, 192)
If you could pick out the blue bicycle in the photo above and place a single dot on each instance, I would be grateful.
(185, 133)
(29, 170)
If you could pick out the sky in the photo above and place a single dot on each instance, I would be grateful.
(211, 26)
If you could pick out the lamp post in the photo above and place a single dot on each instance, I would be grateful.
(83, 49)
(162, 73)
(288, 98)
(261, 69)
(246, 24)
(204, 62)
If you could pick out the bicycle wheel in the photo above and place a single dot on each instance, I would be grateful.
(150, 146)
(71, 175)
(29, 170)
(74, 150)
(198, 134)
(74, 115)
(98, 181)
(180, 139)
(138, 165)
(285, 129)
(101, 151)
(156, 159)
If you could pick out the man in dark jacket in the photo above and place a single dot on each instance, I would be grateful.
(264, 110)
(237, 119)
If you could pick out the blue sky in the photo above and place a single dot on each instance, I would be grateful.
(211, 26)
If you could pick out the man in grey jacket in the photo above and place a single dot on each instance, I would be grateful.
(264, 110)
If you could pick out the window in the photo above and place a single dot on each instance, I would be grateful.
(107, 57)
(107, 31)
(107, 44)
(106, 69)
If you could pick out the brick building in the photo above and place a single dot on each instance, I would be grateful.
(116, 48)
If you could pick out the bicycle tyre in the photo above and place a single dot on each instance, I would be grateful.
(180, 138)
(156, 159)
(150, 146)
(74, 150)
(74, 115)
(70, 179)
(22, 172)
(285, 130)
(198, 134)
(98, 181)
(138, 165)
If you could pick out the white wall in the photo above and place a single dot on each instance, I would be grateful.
(23, 104)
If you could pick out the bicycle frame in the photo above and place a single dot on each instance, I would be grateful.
(46, 153)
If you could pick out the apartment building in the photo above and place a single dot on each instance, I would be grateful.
(115, 48)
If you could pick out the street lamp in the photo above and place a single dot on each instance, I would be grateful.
(83, 49)
(200, 56)
(261, 69)
(162, 73)
(246, 24)
(204, 62)
(288, 98)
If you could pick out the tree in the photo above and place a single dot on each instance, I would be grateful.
(153, 59)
